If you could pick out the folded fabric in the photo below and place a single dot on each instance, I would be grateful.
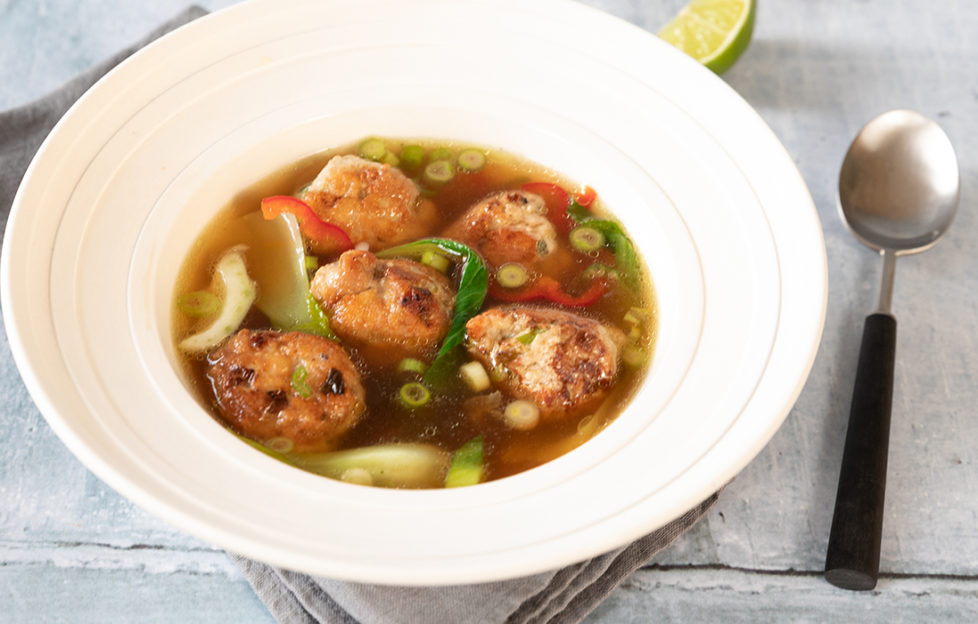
(557, 597)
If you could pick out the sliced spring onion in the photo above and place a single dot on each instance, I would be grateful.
(411, 365)
(414, 394)
(312, 263)
(586, 239)
(435, 260)
(600, 269)
(280, 444)
(373, 149)
(390, 158)
(471, 160)
(397, 465)
(412, 156)
(298, 381)
(626, 258)
(467, 466)
(521, 415)
(441, 153)
(439, 171)
(635, 333)
(635, 316)
(199, 303)
(512, 275)
(239, 295)
(528, 336)
(474, 376)
(634, 355)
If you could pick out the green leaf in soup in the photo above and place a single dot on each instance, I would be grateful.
(578, 213)
(472, 287)
(626, 259)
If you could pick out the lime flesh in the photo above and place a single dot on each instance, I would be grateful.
(714, 32)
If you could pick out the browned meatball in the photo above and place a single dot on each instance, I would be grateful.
(508, 226)
(388, 309)
(373, 202)
(292, 385)
(563, 362)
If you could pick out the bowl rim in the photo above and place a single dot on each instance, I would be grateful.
(723, 116)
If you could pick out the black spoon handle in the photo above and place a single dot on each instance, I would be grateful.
(853, 557)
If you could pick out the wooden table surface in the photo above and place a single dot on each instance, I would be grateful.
(73, 550)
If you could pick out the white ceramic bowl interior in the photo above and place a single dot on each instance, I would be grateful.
(141, 164)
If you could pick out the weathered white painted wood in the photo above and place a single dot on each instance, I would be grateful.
(49, 593)
(735, 597)
(55, 595)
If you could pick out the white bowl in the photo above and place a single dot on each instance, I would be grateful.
(130, 176)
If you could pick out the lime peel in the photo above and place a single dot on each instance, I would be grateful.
(714, 32)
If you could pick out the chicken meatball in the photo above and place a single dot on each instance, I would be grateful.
(388, 309)
(292, 385)
(508, 226)
(372, 202)
(563, 362)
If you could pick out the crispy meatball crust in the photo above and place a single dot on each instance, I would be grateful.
(508, 226)
(563, 362)
(388, 309)
(372, 202)
(261, 394)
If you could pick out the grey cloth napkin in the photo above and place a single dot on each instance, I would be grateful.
(557, 597)
(561, 596)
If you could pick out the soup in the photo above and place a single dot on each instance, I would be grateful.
(414, 314)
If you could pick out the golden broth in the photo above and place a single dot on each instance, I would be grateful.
(442, 421)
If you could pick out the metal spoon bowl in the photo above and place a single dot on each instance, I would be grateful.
(898, 191)
(899, 183)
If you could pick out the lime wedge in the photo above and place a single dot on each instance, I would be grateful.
(714, 32)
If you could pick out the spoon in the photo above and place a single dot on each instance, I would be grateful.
(898, 190)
